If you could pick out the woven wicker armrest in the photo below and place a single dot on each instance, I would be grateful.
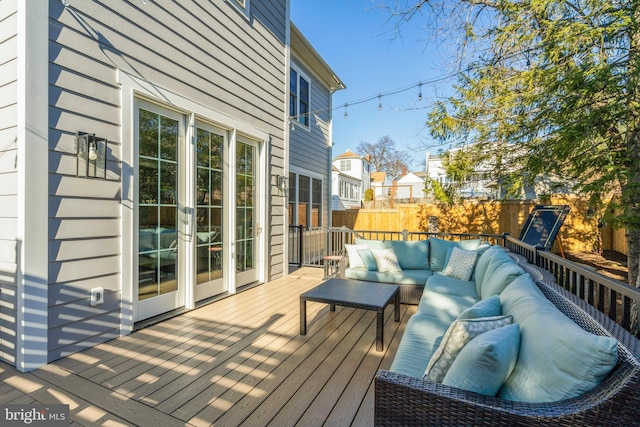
(401, 400)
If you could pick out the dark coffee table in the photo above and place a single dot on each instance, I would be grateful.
(355, 294)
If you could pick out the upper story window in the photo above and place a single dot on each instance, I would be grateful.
(243, 5)
(299, 94)
(345, 165)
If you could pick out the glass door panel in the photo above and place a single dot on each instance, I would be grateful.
(158, 247)
(209, 208)
(246, 217)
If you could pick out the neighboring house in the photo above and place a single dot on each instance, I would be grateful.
(409, 187)
(347, 191)
(480, 185)
(378, 183)
(186, 200)
(353, 180)
(312, 83)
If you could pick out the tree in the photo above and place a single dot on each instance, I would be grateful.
(551, 85)
(384, 157)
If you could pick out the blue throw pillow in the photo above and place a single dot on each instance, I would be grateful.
(485, 362)
(484, 308)
(367, 258)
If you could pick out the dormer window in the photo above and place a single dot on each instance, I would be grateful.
(299, 93)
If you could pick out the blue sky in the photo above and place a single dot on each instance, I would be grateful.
(357, 41)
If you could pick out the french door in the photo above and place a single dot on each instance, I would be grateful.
(248, 229)
(160, 288)
(210, 238)
(197, 211)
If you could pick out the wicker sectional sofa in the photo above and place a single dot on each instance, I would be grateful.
(545, 358)
(573, 366)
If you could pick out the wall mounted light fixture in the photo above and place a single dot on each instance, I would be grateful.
(282, 183)
(92, 155)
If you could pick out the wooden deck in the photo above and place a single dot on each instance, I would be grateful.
(238, 361)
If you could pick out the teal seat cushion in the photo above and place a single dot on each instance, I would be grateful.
(501, 271)
(557, 359)
(484, 363)
(438, 282)
(444, 306)
(411, 254)
(419, 341)
(438, 250)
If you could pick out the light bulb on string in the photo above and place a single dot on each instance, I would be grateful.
(420, 91)
(345, 111)
(379, 102)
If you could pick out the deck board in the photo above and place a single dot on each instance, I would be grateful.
(237, 361)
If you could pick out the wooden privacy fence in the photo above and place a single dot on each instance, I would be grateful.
(582, 231)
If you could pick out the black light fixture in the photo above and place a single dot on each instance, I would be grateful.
(92, 155)
(282, 183)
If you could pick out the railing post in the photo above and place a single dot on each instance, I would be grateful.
(300, 245)
(405, 235)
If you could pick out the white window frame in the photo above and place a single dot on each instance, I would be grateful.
(243, 6)
(297, 116)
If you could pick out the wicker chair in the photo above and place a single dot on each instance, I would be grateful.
(406, 401)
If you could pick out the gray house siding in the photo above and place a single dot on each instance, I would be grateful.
(9, 246)
(218, 58)
(310, 150)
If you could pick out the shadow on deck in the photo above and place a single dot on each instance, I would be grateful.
(237, 361)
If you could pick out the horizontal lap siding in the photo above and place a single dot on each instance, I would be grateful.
(311, 150)
(9, 245)
(202, 50)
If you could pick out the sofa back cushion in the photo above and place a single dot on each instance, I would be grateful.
(438, 250)
(483, 262)
(412, 255)
(557, 359)
(501, 270)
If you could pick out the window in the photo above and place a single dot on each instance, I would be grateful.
(299, 94)
(242, 5)
(345, 165)
(305, 200)
(316, 202)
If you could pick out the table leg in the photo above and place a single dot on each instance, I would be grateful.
(303, 316)
(380, 330)
(332, 307)
(396, 307)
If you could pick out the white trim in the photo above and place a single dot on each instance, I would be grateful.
(244, 10)
(135, 92)
(32, 141)
(162, 96)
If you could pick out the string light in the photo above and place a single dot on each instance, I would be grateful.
(380, 95)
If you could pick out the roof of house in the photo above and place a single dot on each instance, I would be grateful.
(378, 176)
(315, 61)
(347, 155)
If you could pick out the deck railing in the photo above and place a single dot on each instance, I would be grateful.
(618, 300)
